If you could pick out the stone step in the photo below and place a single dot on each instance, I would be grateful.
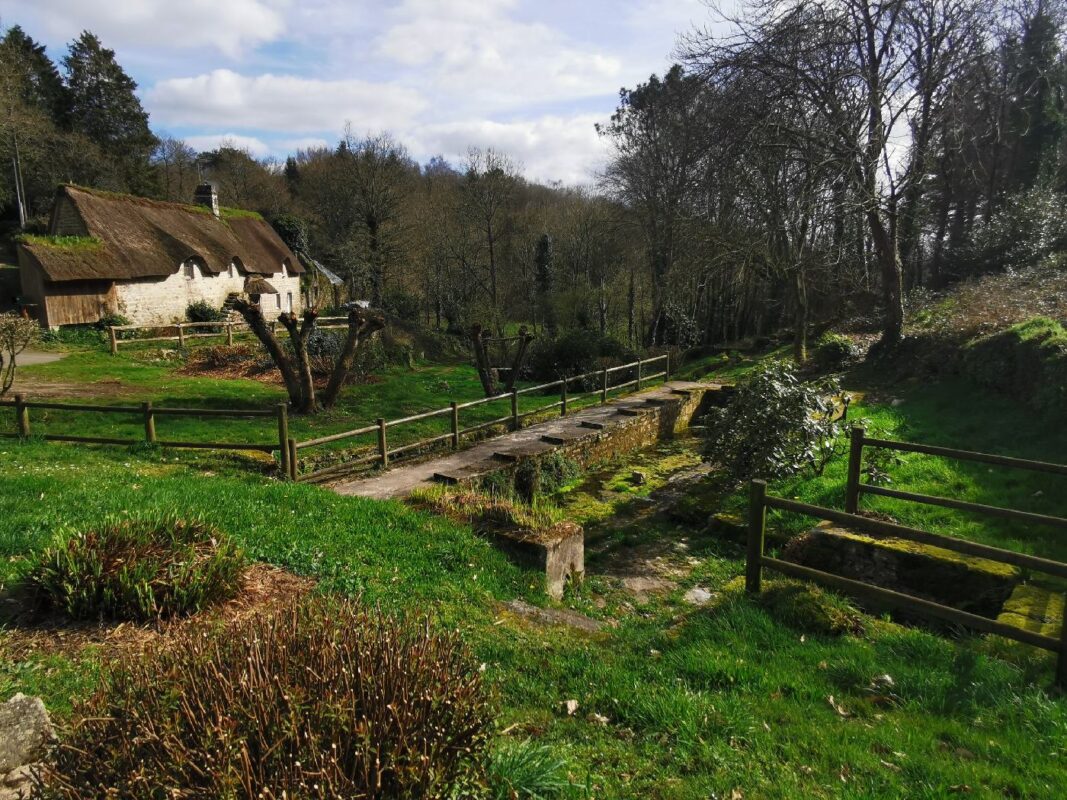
(596, 426)
(629, 411)
(1034, 608)
(565, 436)
(465, 472)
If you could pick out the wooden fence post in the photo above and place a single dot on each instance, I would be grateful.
(667, 367)
(181, 336)
(229, 333)
(604, 387)
(855, 463)
(383, 449)
(114, 339)
(514, 409)
(22, 416)
(283, 437)
(563, 399)
(455, 425)
(292, 460)
(149, 422)
(638, 375)
(757, 524)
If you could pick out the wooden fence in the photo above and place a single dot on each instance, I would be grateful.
(513, 419)
(760, 501)
(147, 413)
(183, 332)
(288, 448)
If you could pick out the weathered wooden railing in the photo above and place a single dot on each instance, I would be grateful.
(288, 448)
(148, 413)
(382, 454)
(760, 501)
(186, 331)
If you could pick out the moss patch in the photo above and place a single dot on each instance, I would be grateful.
(973, 584)
(62, 242)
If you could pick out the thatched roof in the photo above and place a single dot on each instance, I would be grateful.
(254, 284)
(133, 237)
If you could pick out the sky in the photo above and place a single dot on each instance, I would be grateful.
(526, 77)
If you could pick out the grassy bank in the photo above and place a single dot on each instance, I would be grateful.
(698, 702)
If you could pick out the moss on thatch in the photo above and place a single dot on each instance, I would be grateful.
(61, 242)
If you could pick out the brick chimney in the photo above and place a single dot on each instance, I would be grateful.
(208, 196)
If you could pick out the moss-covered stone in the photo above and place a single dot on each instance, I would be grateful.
(973, 584)
(1034, 608)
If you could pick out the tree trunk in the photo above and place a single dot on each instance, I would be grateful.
(481, 361)
(257, 323)
(299, 337)
(889, 265)
(361, 326)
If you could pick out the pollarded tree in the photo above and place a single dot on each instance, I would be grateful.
(295, 367)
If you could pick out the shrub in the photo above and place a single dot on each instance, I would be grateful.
(775, 425)
(1027, 361)
(111, 320)
(402, 304)
(137, 569)
(574, 353)
(202, 311)
(324, 348)
(544, 475)
(16, 334)
(833, 351)
(319, 700)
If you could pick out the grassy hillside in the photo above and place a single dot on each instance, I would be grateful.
(735, 699)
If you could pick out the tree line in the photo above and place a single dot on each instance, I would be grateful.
(812, 165)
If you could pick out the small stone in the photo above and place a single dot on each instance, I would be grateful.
(638, 478)
(25, 732)
(598, 719)
(698, 596)
(571, 707)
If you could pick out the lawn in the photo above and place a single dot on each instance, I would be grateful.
(136, 375)
(734, 700)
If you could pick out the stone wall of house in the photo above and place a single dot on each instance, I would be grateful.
(157, 301)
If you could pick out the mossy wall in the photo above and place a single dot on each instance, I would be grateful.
(1027, 361)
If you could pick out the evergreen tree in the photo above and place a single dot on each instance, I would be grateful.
(1036, 116)
(544, 280)
(105, 109)
(39, 83)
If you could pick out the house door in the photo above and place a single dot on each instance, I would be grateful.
(289, 302)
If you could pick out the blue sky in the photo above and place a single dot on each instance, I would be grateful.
(527, 77)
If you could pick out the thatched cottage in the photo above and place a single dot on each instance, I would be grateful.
(148, 260)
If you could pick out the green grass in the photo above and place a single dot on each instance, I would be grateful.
(699, 702)
(957, 415)
(138, 373)
(62, 242)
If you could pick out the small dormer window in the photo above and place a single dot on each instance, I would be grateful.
(190, 269)
(285, 270)
(232, 271)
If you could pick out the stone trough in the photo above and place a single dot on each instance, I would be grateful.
(588, 436)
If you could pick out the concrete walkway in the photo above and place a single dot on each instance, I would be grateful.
(487, 456)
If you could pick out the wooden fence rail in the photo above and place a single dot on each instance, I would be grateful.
(288, 448)
(454, 437)
(148, 414)
(760, 501)
(182, 330)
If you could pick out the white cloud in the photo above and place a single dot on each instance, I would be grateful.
(230, 26)
(549, 148)
(304, 143)
(281, 103)
(479, 53)
(212, 141)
